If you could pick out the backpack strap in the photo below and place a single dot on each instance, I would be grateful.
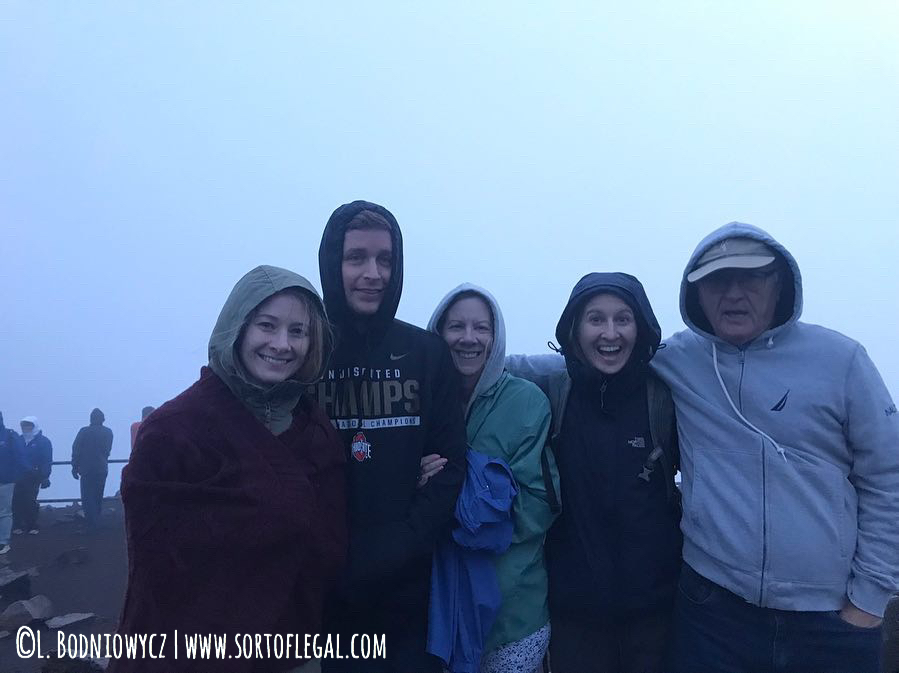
(552, 497)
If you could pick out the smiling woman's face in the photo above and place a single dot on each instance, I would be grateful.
(468, 331)
(275, 343)
(606, 333)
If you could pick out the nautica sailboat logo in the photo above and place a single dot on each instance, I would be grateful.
(782, 402)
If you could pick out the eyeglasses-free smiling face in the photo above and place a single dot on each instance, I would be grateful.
(740, 303)
(468, 331)
(366, 268)
(607, 333)
(275, 343)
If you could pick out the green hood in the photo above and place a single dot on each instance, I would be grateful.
(272, 405)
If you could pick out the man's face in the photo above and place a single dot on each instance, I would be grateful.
(26, 427)
(740, 303)
(366, 268)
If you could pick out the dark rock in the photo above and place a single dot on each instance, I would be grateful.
(21, 613)
(77, 556)
(15, 586)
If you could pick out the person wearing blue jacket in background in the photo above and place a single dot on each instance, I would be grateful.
(614, 553)
(38, 461)
(506, 418)
(12, 450)
(790, 457)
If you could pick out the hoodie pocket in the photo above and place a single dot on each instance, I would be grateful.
(810, 516)
(725, 508)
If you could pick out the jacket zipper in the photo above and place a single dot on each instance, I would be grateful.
(602, 394)
(764, 490)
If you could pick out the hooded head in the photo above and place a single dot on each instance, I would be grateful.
(644, 344)
(476, 336)
(740, 284)
(146, 411)
(31, 423)
(97, 417)
(258, 385)
(338, 264)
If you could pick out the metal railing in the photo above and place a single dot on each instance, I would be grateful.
(74, 500)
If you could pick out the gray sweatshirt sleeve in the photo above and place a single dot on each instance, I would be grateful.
(539, 369)
(872, 430)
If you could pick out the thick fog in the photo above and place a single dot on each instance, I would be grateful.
(152, 153)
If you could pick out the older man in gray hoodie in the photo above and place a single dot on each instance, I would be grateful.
(790, 458)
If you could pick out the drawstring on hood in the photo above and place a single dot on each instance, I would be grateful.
(271, 405)
(734, 406)
(789, 306)
(495, 363)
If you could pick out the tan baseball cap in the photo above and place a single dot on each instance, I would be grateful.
(732, 253)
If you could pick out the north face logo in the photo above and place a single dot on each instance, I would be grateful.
(782, 402)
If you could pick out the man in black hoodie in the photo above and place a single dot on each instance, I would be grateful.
(393, 394)
(90, 453)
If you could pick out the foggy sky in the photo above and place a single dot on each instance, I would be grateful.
(152, 153)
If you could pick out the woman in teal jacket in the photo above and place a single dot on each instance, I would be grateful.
(508, 418)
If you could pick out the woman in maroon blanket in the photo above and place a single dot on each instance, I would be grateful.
(234, 494)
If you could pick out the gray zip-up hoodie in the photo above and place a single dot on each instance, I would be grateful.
(790, 486)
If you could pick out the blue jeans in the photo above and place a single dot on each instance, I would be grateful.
(6, 491)
(716, 631)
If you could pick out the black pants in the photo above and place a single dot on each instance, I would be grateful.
(394, 607)
(24, 502)
(622, 645)
(92, 486)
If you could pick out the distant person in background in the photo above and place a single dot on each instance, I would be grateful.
(90, 453)
(146, 411)
(38, 455)
(234, 494)
(12, 450)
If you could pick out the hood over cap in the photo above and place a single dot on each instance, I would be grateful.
(272, 405)
(631, 292)
(789, 305)
(495, 363)
(97, 417)
(330, 263)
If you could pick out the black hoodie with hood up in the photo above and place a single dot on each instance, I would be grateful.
(616, 547)
(393, 393)
(90, 450)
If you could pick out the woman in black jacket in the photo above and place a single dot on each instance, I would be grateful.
(614, 553)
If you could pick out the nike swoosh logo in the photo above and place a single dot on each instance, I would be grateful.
(398, 357)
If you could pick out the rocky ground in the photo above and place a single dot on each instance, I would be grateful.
(75, 572)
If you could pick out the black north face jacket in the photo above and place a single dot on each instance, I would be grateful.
(393, 394)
